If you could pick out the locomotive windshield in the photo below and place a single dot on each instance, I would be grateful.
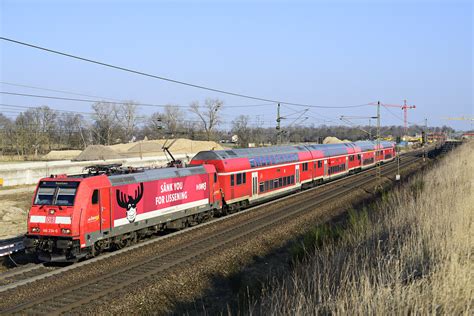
(56, 193)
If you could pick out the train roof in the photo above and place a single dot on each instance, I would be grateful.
(156, 174)
(246, 152)
(331, 149)
(326, 149)
(371, 145)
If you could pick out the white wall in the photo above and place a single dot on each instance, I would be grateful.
(30, 172)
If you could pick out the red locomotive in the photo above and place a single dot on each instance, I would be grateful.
(78, 216)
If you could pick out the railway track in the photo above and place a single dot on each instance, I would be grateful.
(11, 245)
(72, 298)
(26, 273)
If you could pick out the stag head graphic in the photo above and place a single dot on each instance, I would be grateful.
(130, 203)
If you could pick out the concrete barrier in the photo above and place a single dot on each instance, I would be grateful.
(30, 172)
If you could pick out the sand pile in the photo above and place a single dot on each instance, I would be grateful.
(122, 148)
(145, 148)
(61, 154)
(97, 152)
(334, 140)
(155, 147)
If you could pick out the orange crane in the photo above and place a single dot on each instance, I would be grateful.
(405, 108)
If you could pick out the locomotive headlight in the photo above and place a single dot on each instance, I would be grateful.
(52, 211)
(65, 230)
(35, 230)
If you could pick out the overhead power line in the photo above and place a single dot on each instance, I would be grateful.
(55, 90)
(171, 80)
(111, 102)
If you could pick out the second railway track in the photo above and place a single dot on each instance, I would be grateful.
(100, 286)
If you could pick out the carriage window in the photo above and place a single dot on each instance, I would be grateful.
(280, 182)
(305, 166)
(266, 185)
(231, 179)
(239, 178)
(262, 188)
(215, 177)
(292, 179)
(95, 197)
(271, 185)
(244, 178)
(252, 163)
(320, 164)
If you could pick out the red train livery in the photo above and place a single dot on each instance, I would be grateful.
(78, 216)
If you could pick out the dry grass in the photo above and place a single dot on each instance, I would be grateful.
(410, 254)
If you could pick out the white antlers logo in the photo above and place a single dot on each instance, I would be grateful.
(130, 203)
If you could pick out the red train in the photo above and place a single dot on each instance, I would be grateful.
(78, 216)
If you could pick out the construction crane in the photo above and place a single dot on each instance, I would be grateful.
(404, 107)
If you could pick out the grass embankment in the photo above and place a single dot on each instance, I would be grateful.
(408, 253)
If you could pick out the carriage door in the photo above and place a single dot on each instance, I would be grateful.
(254, 183)
(347, 163)
(297, 172)
(325, 167)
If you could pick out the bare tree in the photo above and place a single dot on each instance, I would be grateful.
(240, 127)
(154, 125)
(208, 115)
(5, 133)
(105, 127)
(71, 135)
(127, 116)
(173, 118)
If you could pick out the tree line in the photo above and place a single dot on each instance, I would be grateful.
(39, 130)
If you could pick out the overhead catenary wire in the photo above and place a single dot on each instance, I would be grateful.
(111, 102)
(56, 90)
(171, 80)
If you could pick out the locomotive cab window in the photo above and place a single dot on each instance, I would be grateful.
(232, 180)
(320, 164)
(56, 193)
(95, 197)
(215, 177)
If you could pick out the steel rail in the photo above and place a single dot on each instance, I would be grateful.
(101, 286)
(11, 245)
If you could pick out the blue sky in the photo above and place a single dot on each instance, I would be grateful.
(321, 53)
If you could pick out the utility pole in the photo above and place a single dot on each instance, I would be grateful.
(378, 167)
(426, 131)
(278, 128)
(425, 138)
(370, 129)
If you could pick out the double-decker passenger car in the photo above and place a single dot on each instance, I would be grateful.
(249, 175)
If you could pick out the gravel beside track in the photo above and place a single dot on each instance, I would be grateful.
(27, 272)
(108, 278)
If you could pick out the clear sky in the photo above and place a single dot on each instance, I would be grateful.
(321, 53)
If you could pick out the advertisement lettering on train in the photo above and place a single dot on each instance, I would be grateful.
(145, 200)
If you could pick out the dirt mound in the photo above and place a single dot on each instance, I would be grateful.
(180, 146)
(97, 152)
(334, 140)
(61, 154)
(122, 148)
